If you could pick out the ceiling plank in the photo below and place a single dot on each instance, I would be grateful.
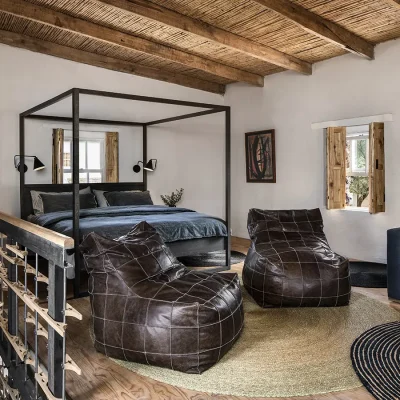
(69, 53)
(168, 17)
(321, 27)
(54, 18)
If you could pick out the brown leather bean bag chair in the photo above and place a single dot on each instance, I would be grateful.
(290, 263)
(148, 308)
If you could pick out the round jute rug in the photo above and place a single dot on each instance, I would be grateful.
(285, 352)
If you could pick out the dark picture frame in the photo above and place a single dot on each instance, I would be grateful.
(260, 156)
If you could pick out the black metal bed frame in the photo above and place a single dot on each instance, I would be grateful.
(75, 93)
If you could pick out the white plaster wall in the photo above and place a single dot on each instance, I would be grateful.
(344, 87)
(196, 160)
(27, 79)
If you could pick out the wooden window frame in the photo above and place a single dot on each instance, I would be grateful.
(377, 168)
(336, 167)
(57, 171)
(112, 157)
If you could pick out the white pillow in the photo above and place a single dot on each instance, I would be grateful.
(101, 200)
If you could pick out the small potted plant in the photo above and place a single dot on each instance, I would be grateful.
(173, 199)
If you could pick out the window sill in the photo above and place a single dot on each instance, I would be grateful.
(356, 209)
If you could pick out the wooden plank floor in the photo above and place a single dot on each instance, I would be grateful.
(102, 379)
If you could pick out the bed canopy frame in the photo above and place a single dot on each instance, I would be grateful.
(75, 94)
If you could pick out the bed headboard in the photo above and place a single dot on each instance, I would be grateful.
(26, 200)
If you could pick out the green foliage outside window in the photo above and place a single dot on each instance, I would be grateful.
(359, 185)
(361, 154)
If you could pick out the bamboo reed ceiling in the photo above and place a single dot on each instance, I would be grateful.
(43, 32)
(252, 31)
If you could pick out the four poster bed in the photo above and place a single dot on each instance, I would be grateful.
(185, 231)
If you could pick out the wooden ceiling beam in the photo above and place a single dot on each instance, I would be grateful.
(68, 53)
(165, 16)
(59, 20)
(321, 27)
(396, 3)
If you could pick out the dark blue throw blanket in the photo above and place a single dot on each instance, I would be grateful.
(173, 224)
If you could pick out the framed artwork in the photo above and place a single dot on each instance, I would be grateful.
(260, 156)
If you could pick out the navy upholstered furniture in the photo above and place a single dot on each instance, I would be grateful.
(393, 263)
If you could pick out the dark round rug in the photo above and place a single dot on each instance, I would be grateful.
(376, 360)
(212, 259)
(368, 274)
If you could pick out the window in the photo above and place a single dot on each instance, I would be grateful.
(91, 160)
(356, 167)
(98, 153)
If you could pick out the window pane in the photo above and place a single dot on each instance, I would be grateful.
(359, 155)
(357, 181)
(359, 189)
(67, 178)
(67, 154)
(94, 155)
(82, 155)
(348, 154)
(95, 177)
(83, 177)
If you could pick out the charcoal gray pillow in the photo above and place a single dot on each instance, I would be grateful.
(37, 203)
(128, 198)
(102, 201)
(64, 201)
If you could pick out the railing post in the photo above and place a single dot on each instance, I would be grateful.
(56, 343)
(12, 297)
(12, 301)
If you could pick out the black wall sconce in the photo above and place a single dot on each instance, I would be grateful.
(37, 164)
(151, 165)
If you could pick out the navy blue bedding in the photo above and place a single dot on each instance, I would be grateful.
(173, 224)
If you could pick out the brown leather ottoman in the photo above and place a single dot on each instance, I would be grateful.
(148, 308)
(290, 263)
